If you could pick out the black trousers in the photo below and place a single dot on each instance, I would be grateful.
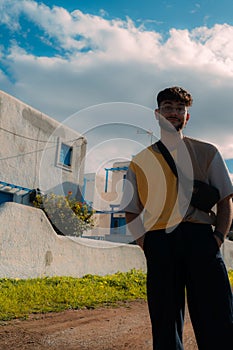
(187, 263)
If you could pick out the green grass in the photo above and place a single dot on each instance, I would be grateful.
(20, 298)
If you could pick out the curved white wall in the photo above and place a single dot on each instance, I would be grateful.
(30, 248)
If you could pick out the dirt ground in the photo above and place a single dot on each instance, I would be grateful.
(126, 326)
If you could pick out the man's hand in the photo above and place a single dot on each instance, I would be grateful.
(218, 240)
(224, 219)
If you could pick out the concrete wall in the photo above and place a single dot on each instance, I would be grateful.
(29, 149)
(30, 248)
(227, 252)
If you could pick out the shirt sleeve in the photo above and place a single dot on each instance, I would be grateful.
(219, 176)
(130, 201)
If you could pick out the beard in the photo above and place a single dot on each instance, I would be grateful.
(168, 126)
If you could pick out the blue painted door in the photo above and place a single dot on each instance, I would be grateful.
(118, 225)
(6, 197)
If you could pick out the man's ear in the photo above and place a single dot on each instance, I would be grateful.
(187, 118)
(156, 113)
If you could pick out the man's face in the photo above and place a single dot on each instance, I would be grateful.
(172, 115)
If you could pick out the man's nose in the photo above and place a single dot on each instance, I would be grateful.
(174, 111)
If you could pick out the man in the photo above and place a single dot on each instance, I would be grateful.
(181, 242)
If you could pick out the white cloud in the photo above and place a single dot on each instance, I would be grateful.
(196, 8)
(113, 60)
(103, 13)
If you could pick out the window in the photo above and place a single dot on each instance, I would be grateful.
(65, 155)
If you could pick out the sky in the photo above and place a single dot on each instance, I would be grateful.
(97, 66)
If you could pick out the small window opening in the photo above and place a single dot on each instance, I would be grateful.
(65, 154)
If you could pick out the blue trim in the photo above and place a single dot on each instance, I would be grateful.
(106, 181)
(12, 186)
(112, 169)
(118, 168)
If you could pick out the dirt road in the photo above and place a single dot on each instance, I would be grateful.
(122, 327)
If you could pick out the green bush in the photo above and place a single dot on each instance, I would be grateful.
(67, 215)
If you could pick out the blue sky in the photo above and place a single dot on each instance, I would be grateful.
(157, 15)
(78, 60)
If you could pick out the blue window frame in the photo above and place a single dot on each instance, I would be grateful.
(65, 154)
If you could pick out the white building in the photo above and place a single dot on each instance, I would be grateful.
(37, 152)
(105, 195)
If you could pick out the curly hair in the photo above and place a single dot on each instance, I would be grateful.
(175, 93)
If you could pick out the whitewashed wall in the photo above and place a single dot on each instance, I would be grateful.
(29, 148)
(30, 248)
